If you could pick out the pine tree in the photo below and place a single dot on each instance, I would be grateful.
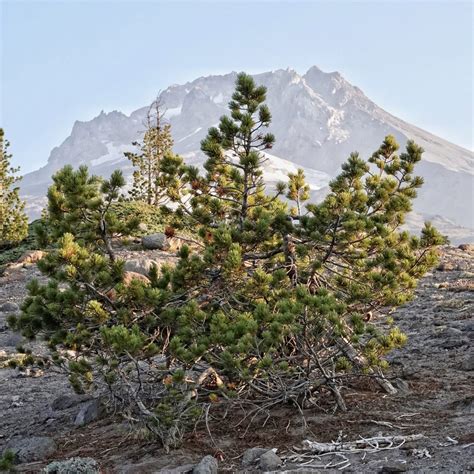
(271, 286)
(233, 187)
(272, 308)
(13, 221)
(81, 205)
(155, 177)
(298, 190)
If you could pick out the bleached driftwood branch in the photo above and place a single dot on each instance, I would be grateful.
(376, 443)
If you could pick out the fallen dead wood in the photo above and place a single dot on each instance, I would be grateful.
(388, 424)
(374, 444)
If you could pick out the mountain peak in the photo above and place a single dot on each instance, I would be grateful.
(318, 119)
(316, 70)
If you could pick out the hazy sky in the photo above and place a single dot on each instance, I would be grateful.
(66, 60)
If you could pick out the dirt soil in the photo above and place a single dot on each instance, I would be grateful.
(433, 372)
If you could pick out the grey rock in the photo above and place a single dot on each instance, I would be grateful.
(452, 332)
(468, 363)
(183, 469)
(469, 328)
(12, 339)
(269, 461)
(465, 405)
(453, 343)
(149, 464)
(207, 465)
(141, 265)
(157, 241)
(73, 466)
(64, 402)
(394, 467)
(88, 412)
(32, 449)
(9, 307)
(252, 455)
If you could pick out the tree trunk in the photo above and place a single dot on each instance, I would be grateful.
(356, 358)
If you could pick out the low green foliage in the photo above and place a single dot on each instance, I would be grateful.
(7, 461)
(152, 218)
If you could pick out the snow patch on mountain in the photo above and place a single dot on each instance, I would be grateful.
(189, 135)
(114, 153)
(276, 169)
(219, 98)
(172, 112)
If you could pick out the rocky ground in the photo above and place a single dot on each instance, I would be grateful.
(43, 420)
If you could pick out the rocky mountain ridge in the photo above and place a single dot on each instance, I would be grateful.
(319, 118)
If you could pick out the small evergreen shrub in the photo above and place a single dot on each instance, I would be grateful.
(152, 218)
(81, 205)
(7, 460)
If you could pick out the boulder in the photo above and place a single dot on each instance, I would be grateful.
(31, 449)
(12, 339)
(468, 363)
(454, 342)
(140, 265)
(9, 307)
(88, 412)
(394, 467)
(152, 465)
(207, 465)
(129, 276)
(157, 241)
(269, 461)
(31, 256)
(467, 247)
(402, 386)
(252, 455)
(63, 402)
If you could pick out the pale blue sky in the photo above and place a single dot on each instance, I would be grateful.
(66, 60)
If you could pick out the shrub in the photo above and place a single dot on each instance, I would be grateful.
(273, 309)
(7, 461)
(81, 205)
